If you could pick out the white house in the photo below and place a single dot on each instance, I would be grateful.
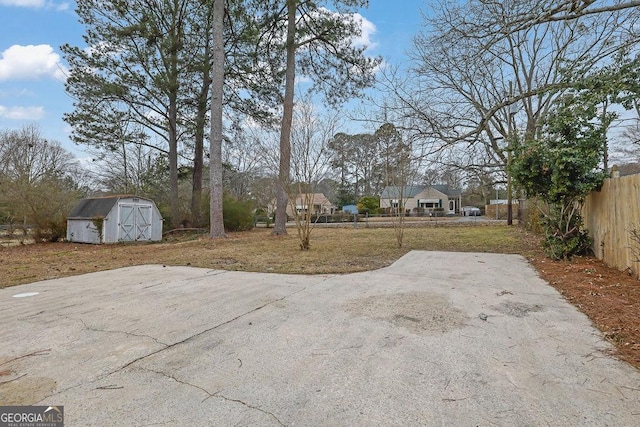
(309, 203)
(114, 219)
(427, 197)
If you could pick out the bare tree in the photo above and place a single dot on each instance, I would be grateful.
(37, 184)
(127, 169)
(525, 14)
(400, 166)
(471, 90)
(310, 165)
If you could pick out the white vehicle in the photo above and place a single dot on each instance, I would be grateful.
(471, 211)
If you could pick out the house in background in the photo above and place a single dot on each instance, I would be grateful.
(427, 197)
(311, 203)
(114, 219)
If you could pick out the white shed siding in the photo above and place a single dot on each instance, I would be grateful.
(129, 219)
(111, 226)
(82, 230)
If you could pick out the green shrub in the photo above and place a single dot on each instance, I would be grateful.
(562, 241)
(368, 204)
(238, 214)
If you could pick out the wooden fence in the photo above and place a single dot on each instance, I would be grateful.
(610, 215)
(500, 211)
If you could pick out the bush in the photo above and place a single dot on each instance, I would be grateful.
(328, 218)
(562, 242)
(50, 230)
(323, 218)
(438, 212)
(368, 204)
(238, 214)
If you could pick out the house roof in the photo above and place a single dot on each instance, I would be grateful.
(393, 192)
(451, 192)
(315, 199)
(96, 207)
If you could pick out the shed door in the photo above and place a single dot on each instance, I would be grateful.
(135, 222)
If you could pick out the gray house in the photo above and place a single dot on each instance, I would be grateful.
(114, 219)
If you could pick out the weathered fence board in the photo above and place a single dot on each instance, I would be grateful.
(610, 214)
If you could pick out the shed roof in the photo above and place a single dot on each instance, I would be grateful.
(96, 207)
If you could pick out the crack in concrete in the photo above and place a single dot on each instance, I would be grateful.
(164, 374)
(189, 338)
(31, 316)
(99, 378)
(211, 273)
(90, 328)
(216, 394)
(165, 423)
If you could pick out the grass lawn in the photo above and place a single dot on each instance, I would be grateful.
(333, 250)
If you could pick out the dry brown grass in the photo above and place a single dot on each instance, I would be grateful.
(333, 250)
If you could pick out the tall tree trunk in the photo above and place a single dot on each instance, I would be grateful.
(198, 158)
(172, 89)
(173, 156)
(280, 226)
(217, 89)
(198, 165)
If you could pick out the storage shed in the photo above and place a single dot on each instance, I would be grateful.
(114, 219)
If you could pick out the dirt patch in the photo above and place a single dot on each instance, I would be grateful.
(26, 390)
(20, 388)
(418, 312)
(516, 309)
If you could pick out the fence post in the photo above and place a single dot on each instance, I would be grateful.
(615, 172)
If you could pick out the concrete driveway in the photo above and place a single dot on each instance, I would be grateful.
(435, 339)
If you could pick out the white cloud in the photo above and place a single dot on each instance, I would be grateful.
(21, 113)
(37, 4)
(31, 63)
(23, 3)
(16, 93)
(368, 30)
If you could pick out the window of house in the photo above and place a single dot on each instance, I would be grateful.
(429, 205)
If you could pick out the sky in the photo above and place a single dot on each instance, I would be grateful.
(33, 70)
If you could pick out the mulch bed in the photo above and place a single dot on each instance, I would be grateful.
(609, 297)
